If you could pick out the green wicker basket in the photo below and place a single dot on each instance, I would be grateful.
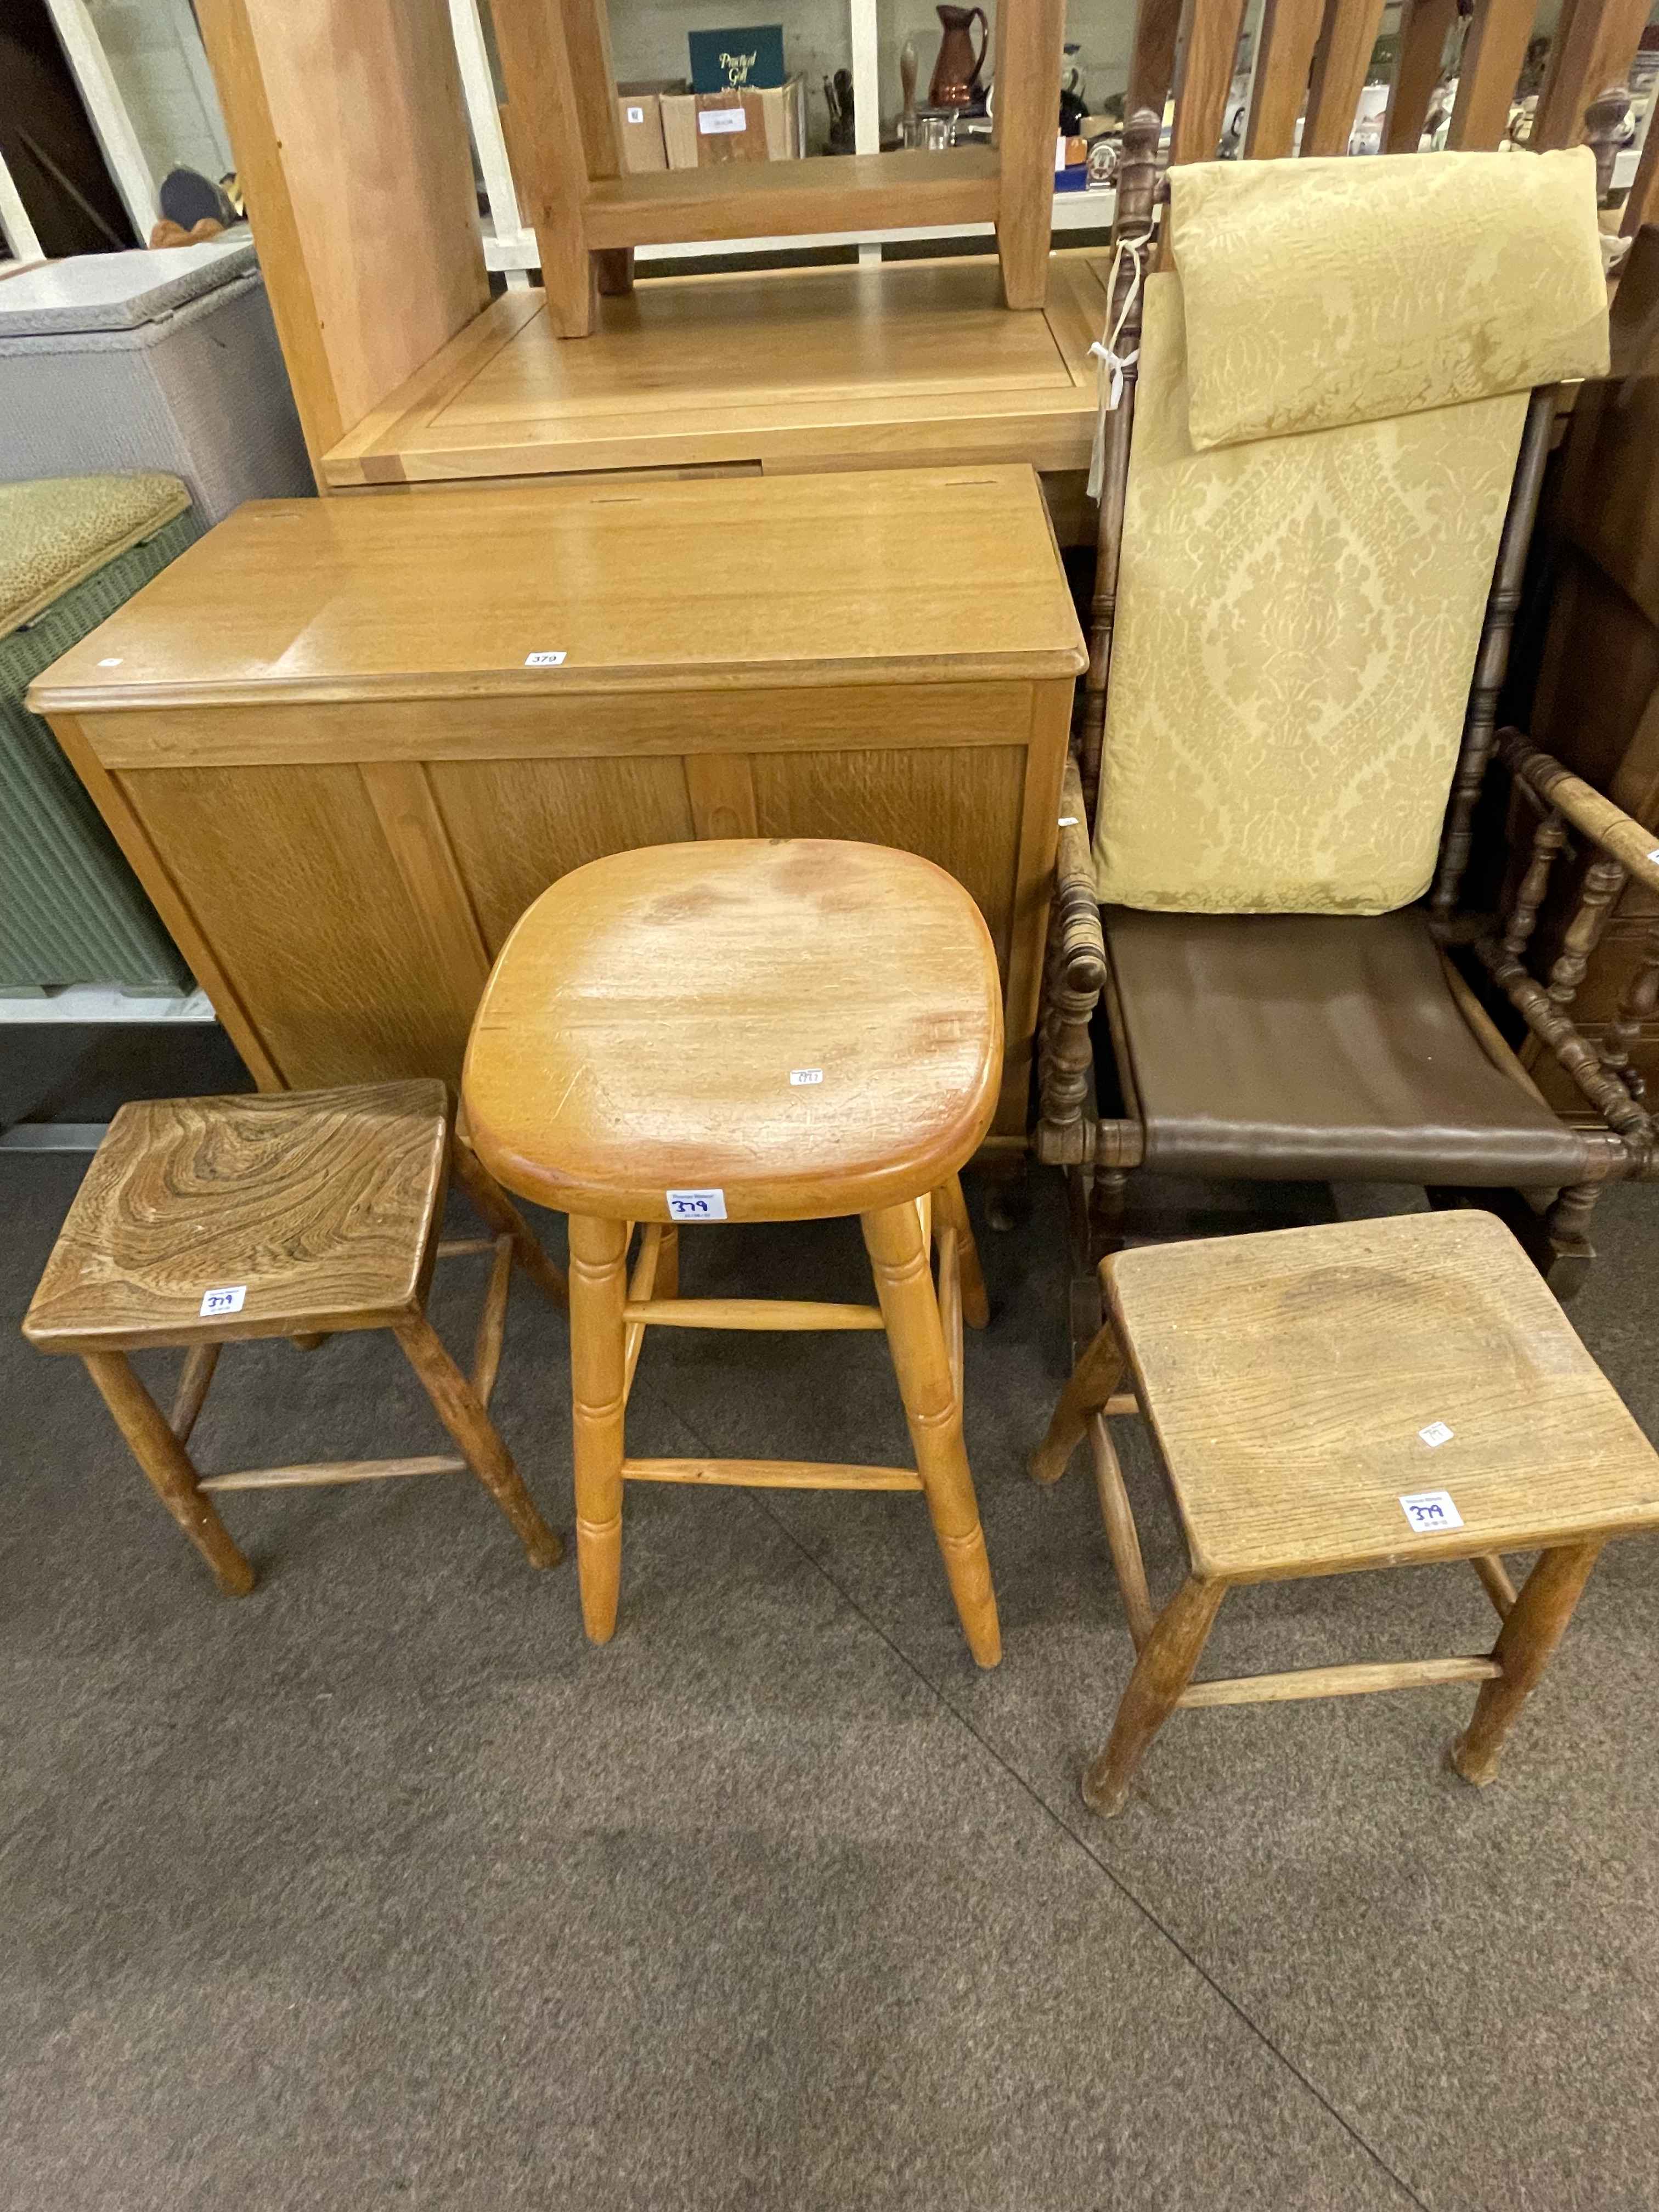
(71, 910)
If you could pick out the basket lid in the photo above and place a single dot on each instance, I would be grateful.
(56, 530)
(119, 291)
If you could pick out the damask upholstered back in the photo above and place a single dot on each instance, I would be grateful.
(1306, 565)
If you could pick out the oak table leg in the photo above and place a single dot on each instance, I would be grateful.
(952, 1207)
(168, 1466)
(1533, 1627)
(1161, 1673)
(904, 1285)
(457, 1406)
(598, 1291)
(1094, 1379)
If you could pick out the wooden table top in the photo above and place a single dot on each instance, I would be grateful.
(1304, 1384)
(894, 365)
(940, 575)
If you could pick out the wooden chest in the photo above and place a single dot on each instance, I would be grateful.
(345, 742)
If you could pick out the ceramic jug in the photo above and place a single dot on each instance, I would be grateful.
(955, 73)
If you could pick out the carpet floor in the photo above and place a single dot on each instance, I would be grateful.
(380, 1887)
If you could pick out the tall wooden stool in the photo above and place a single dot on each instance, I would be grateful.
(749, 1031)
(203, 1220)
(1364, 1394)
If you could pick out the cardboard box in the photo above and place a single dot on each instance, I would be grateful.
(702, 130)
(639, 112)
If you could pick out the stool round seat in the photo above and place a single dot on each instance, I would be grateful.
(804, 1028)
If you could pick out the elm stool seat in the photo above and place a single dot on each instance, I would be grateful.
(1357, 1395)
(751, 1031)
(297, 1214)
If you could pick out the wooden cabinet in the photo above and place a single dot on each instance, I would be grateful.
(345, 743)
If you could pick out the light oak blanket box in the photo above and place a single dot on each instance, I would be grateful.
(345, 743)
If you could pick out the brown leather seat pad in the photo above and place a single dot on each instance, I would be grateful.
(1275, 1047)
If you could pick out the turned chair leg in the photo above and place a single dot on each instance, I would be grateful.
(916, 1334)
(1094, 1379)
(598, 1291)
(951, 1210)
(1161, 1673)
(168, 1464)
(1567, 1228)
(1533, 1627)
(458, 1407)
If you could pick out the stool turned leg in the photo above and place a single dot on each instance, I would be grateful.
(1161, 1673)
(1095, 1377)
(599, 1280)
(667, 1284)
(915, 1336)
(168, 1464)
(457, 1406)
(951, 1207)
(1532, 1628)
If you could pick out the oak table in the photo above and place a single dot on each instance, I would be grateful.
(345, 743)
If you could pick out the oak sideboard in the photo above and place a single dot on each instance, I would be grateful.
(345, 743)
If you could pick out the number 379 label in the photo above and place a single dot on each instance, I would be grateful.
(696, 1204)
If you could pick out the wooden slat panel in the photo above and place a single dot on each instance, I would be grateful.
(721, 788)
(1152, 64)
(1206, 75)
(516, 826)
(404, 804)
(780, 199)
(1424, 25)
(290, 877)
(1290, 32)
(1492, 56)
(1594, 46)
(1339, 75)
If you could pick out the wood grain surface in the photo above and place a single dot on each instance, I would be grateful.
(320, 1208)
(1288, 1377)
(639, 1029)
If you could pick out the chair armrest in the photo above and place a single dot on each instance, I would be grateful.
(1074, 977)
(1621, 835)
(1621, 849)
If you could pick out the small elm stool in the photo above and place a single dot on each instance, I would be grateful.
(1363, 1393)
(751, 1031)
(297, 1214)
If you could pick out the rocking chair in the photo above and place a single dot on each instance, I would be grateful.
(1285, 1046)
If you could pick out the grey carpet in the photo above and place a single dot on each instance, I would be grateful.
(378, 1887)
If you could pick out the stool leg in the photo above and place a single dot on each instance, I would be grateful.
(668, 1264)
(1532, 1628)
(952, 1206)
(915, 1336)
(505, 1220)
(1161, 1673)
(457, 1406)
(1095, 1377)
(599, 1281)
(168, 1466)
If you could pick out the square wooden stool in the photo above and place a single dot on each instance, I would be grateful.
(294, 1213)
(1363, 1394)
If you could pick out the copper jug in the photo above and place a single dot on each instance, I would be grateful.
(955, 73)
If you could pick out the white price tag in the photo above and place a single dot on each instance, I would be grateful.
(1431, 1511)
(696, 1204)
(116, 663)
(228, 1300)
(1436, 1433)
(1654, 855)
(543, 660)
(637, 115)
(1060, 155)
(712, 121)
(805, 1075)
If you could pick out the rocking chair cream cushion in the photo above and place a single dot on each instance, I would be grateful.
(1296, 627)
(1323, 292)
